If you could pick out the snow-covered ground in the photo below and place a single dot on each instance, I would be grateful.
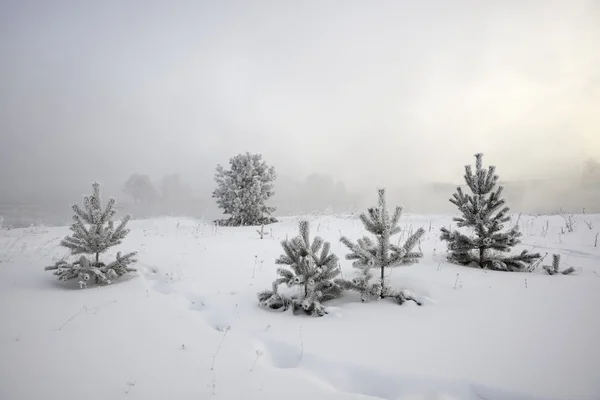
(188, 325)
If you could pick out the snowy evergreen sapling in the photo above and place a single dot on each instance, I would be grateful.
(261, 231)
(369, 255)
(243, 190)
(554, 269)
(311, 269)
(485, 212)
(93, 233)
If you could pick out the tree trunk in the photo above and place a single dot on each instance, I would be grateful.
(481, 252)
(97, 258)
(382, 279)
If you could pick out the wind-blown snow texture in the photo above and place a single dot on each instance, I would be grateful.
(188, 326)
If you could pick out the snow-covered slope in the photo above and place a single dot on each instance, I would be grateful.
(188, 325)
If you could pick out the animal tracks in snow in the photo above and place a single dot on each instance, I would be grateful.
(359, 380)
(214, 315)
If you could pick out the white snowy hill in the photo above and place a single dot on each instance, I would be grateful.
(188, 325)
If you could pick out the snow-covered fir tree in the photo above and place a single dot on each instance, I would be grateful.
(554, 269)
(93, 232)
(311, 269)
(484, 212)
(243, 191)
(369, 255)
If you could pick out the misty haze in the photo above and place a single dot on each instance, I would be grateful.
(394, 94)
(277, 199)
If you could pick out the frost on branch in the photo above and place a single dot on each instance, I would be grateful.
(554, 269)
(485, 213)
(243, 191)
(86, 270)
(311, 269)
(93, 232)
(369, 255)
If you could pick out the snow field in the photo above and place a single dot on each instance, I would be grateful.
(188, 325)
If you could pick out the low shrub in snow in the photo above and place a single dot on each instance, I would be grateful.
(93, 233)
(85, 269)
(312, 269)
(554, 269)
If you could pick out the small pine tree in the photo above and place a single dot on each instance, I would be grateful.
(261, 231)
(381, 254)
(311, 269)
(243, 191)
(93, 233)
(485, 212)
(554, 269)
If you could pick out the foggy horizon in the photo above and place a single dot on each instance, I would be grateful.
(384, 94)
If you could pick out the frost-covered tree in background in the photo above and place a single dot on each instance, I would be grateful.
(312, 269)
(93, 232)
(590, 174)
(484, 212)
(140, 188)
(243, 190)
(174, 190)
(369, 255)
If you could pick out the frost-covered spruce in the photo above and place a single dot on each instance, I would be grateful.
(311, 270)
(369, 255)
(554, 269)
(93, 233)
(243, 191)
(485, 213)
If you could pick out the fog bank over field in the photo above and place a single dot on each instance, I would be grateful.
(386, 93)
(313, 196)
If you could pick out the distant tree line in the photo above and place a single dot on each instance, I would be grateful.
(317, 193)
(143, 191)
(590, 174)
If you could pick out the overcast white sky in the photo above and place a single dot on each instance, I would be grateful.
(371, 92)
